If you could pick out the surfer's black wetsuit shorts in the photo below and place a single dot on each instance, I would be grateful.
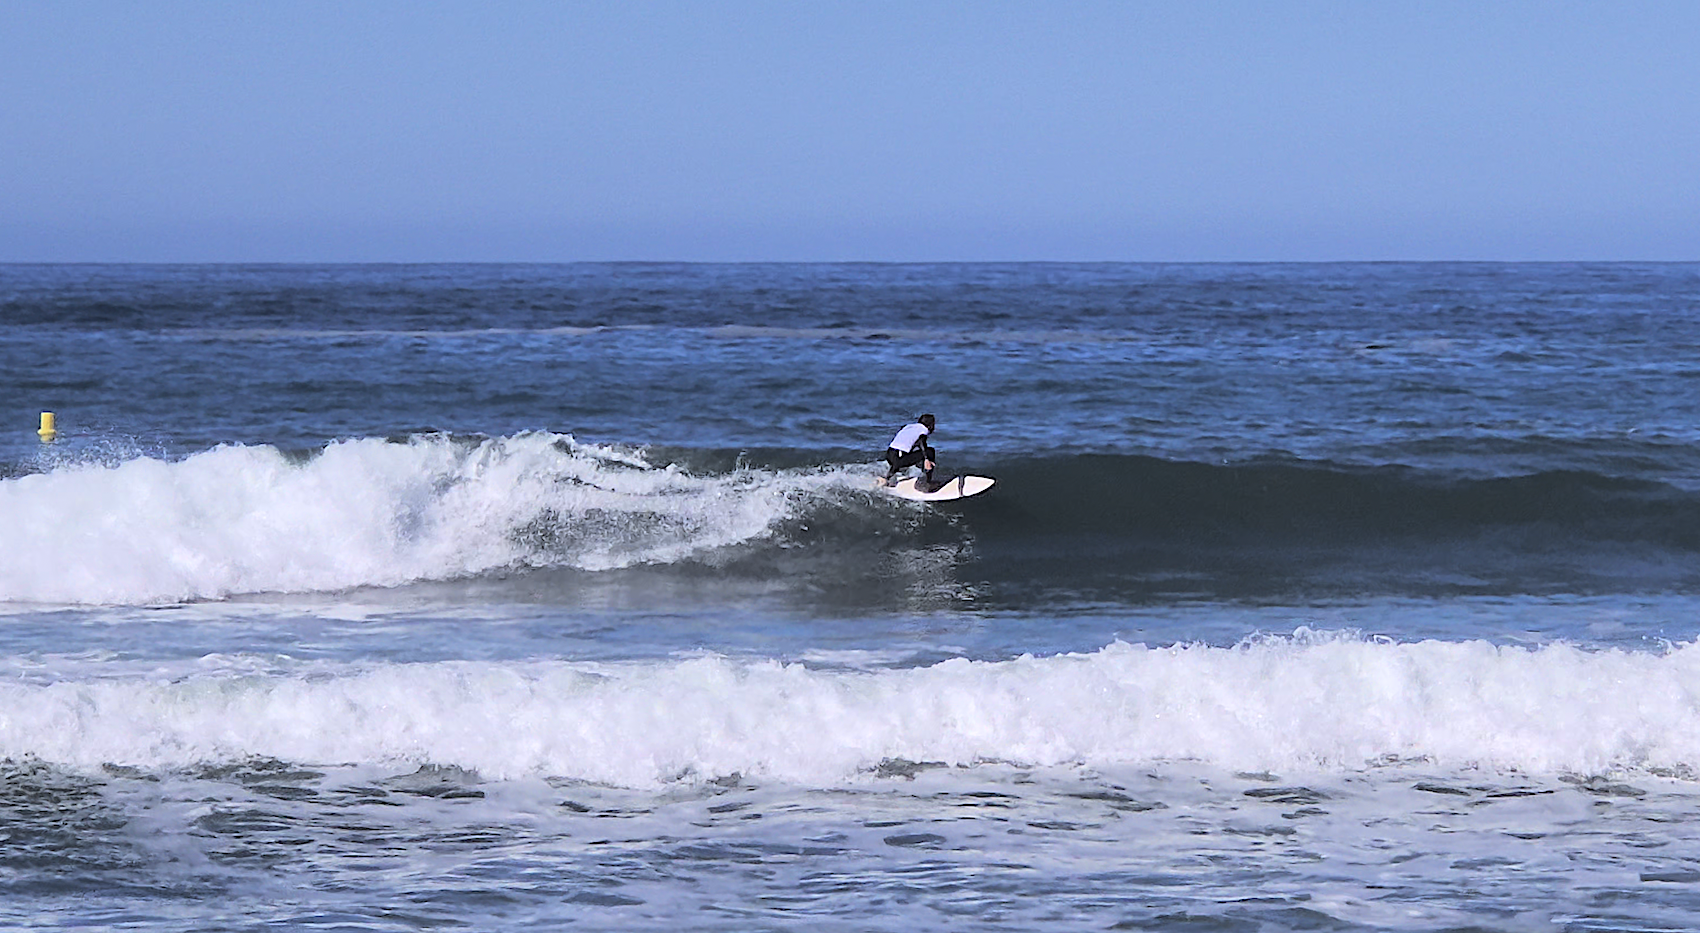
(898, 459)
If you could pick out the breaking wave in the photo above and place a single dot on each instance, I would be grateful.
(369, 512)
(373, 512)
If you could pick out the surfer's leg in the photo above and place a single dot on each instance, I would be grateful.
(893, 462)
(898, 460)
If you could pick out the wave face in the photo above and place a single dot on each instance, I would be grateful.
(360, 513)
(1311, 702)
(1281, 525)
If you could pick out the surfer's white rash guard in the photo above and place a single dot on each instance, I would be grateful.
(906, 438)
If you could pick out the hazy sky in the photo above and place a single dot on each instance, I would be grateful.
(376, 131)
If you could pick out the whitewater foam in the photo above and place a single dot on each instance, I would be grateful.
(1302, 703)
(367, 512)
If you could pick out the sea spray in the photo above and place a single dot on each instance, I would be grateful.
(367, 512)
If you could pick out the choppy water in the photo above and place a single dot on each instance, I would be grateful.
(499, 597)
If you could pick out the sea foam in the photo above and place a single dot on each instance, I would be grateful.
(1306, 703)
(366, 512)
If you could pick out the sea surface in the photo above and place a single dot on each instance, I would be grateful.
(539, 597)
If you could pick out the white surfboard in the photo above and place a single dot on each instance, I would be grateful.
(956, 487)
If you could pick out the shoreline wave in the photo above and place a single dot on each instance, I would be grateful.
(1313, 701)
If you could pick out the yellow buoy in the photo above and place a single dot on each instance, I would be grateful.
(48, 431)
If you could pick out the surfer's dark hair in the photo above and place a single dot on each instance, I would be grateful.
(928, 420)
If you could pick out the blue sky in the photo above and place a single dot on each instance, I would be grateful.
(371, 131)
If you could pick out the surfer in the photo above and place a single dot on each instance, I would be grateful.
(910, 448)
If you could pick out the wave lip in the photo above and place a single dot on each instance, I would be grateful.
(364, 512)
(1306, 703)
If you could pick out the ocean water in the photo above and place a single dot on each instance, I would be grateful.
(1309, 597)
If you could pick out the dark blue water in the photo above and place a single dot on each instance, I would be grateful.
(1353, 596)
(1486, 368)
